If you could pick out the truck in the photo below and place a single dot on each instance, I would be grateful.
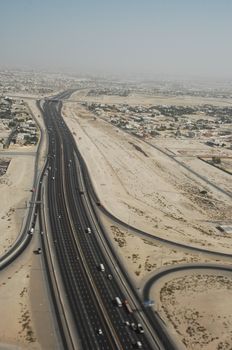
(127, 306)
(118, 302)
(101, 267)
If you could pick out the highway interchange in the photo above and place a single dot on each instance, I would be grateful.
(82, 294)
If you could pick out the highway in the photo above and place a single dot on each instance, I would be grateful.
(71, 206)
(89, 291)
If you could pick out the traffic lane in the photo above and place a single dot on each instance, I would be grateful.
(84, 289)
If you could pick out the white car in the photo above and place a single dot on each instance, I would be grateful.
(140, 328)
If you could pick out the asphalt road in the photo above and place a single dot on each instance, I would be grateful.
(71, 182)
(90, 292)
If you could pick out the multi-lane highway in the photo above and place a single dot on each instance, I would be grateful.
(75, 248)
(98, 322)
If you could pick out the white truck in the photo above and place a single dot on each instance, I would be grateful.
(101, 267)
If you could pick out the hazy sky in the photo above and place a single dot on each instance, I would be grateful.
(177, 37)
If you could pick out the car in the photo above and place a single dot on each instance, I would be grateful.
(127, 323)
(109, 276)
(133, 326)
(99, 331)
(137, 345)
(88, 230)
(31, 231)
(140, 328)
(37, 251)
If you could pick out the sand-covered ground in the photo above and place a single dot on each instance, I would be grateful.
(24, 306)
(198, 306)
(25, 321)
(151, 191)
(143, 256)
(148, 189)
(145, 99)
(15, 186)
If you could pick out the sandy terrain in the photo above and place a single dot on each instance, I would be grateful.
(198, 305)
(134, 99)
(225, 164)
(24, 305)
(15, 189)
(143, 256)
(189, 148)
(147, 189)
(150, 191)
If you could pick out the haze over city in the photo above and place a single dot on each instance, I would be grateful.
(148, 38)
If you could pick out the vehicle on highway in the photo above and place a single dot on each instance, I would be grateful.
(118, 302)
(31, 231)
(37, 251)
(137, 345)
(127, 306)
(140, 328)
(133, 326)
(101, 267)
(88, 230)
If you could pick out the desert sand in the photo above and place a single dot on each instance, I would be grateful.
(148, 190)
(198, 306)
(24, 302)
(152, 192)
